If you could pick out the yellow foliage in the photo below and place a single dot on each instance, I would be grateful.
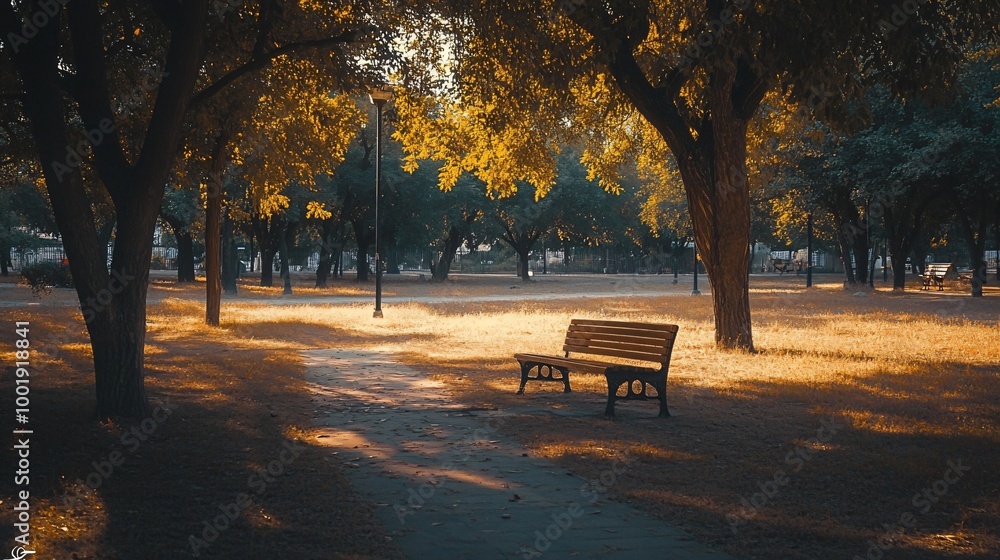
(463, 138)
(299, 129)
(317, 210)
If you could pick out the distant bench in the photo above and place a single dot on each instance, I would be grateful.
(783, 266)
(641, 342)
(934, 273)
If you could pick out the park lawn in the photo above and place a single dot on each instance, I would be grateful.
(410, 284)
(236, 406)
(855, 403)
(909, 383)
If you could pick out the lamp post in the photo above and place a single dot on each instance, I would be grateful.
(674, 260)
(695, 291)
(809, 250)
(379, 96)
(885, 259)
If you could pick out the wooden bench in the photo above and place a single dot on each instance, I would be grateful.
(934, 273)
(638, 342)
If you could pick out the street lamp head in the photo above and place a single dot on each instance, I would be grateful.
(380, 95)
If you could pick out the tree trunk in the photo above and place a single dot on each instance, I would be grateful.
(285, 271)
(441, 268)
(323, 267)
(898, 272)
(230, 258)
(713, 169)
(521, 242)
(898, 250)
(719, 203)
(978, 271)
(338, 257)
(974, 221)
(267, 267)
(325, 253)
(903, 219)
(843, 242)
(363, 267)
(362, 237)
(266, 231)
(4, 257)
(860, 247)
(213, 281)
(996, 242)
(185, 256)
(118, 335)
(253, 252)
(113, 303)
(522, 264)
(392, 259)
(213, 231)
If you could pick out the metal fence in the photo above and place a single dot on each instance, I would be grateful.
(34, 256)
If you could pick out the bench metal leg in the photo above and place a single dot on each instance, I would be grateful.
(524, 377)
(616, 379)
(614, 382)
(548, 375)
(661, 392)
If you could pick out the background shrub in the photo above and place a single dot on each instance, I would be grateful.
(44, 276)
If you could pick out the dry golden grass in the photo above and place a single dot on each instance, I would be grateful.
(911, 381)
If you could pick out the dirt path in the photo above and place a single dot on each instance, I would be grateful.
(447, 485)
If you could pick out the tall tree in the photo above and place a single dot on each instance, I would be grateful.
(118, 79)
(969, 170)
(180, 211)
(697, 70)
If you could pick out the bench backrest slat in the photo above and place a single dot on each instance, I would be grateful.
(938, 269)
(642, 345)
(646, 342)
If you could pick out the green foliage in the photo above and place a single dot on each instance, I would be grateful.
(44, 276)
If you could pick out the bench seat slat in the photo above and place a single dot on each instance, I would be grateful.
(575, 364)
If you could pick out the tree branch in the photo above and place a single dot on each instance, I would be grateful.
(94, 99)
(264, 30)
(259, 63)
(652, 103)
(748, 91)
(184, 59)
